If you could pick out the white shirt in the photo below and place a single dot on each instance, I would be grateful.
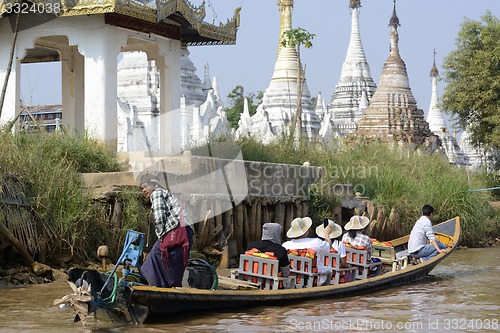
(340, 248)
(320, 246)
(420, 234)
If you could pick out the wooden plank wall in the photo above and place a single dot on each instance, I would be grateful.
(243, 223)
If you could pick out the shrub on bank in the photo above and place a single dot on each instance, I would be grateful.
(48, 166)
(393, 178)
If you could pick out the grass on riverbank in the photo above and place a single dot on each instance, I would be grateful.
(394, 178)
(48, 166)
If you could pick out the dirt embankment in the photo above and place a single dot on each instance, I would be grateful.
(495, 204)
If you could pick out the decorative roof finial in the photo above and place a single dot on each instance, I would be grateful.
(355, 3)
(434, 70)
(394, 22)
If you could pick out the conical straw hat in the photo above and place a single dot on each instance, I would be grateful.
(357, 223)
(299, 226)
(336, 230)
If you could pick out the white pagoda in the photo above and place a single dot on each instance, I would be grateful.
(437, 124)
(355, 87)
(277, 111)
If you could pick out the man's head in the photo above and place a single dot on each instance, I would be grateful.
(427, 210)
(148, 184)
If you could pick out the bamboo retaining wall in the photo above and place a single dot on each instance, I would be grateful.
(227, 199)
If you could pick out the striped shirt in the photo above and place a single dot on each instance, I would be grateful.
(165, 208)
(360, 240)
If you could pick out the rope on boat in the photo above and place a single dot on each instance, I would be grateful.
(111, 298)
(485, 189)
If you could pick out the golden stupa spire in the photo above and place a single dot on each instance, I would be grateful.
(285, 9)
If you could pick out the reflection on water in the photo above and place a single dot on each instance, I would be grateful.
(461, 295)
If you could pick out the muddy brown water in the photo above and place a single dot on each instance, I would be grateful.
(462, 294)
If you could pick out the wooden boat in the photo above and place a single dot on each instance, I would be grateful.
(140, 302)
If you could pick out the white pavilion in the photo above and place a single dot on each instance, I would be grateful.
(89, 60)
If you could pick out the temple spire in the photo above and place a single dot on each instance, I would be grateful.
(355, 80)
(394, 24)
(286, 10)
(434, 70)
(279, 103)
(393, 114)
(355, 3)
(435, 117)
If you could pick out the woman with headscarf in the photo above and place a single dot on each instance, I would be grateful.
(271, 242)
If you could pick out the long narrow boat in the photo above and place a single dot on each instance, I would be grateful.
(138, 303)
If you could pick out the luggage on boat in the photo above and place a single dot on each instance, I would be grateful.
(200, 274)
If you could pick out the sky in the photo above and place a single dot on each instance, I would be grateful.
(425, 25)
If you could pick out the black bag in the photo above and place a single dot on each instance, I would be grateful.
(201, 274)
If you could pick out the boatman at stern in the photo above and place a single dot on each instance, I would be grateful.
(421, 233)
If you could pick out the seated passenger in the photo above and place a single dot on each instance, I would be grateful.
(299, 239)
(271, 242)
(337, 245)
(355, 235)
(357, 238)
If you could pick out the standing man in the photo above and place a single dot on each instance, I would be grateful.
(167, 260)
(422, 232)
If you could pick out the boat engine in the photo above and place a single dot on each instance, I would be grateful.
(200, 274)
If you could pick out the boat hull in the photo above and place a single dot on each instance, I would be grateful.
(172, 300)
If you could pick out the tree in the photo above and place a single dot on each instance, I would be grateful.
(296, 38)
(237, 101)
(472, 73)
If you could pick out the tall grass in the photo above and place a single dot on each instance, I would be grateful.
(49, 164)
(391, 177)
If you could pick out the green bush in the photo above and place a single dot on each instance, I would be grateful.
(391, 177)
(49, 164)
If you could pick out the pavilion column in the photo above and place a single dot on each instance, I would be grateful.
(170, 92)
(73, 97)
(100, 78)
(11, 103)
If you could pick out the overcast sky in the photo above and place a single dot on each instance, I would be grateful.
(425, 25)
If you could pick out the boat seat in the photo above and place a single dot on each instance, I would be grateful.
(262, 271)
(333, 260)
(305, 271)
(389, 256)
(358, 258)
(401, 260)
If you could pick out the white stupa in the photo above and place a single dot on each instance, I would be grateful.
(355, 86)
(277, 111)
(437, 124)
(201, 110)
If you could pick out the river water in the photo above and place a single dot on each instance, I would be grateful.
(462, 294)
